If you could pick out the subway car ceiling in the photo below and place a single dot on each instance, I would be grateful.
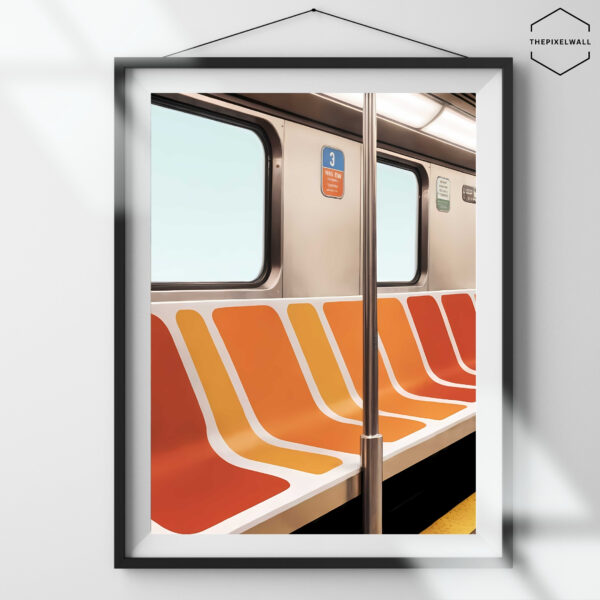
(339, 114)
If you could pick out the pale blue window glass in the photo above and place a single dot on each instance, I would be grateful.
(397, 224)
(208, 199)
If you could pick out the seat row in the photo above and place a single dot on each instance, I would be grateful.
(256, 405)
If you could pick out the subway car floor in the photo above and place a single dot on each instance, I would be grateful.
(437, 495)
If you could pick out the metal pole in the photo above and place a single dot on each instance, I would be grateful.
(371, 446)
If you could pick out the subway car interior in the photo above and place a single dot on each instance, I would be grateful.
(259, 236)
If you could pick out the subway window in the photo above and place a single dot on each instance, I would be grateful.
(397, 224)
(209, 200)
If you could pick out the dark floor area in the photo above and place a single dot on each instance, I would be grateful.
(414, 498)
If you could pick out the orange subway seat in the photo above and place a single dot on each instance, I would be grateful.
(227, 410)
(326, 372)
(269, 371)
(405, 358)
(435, 341)
(460, 311)
(345, 320)
(192, 488)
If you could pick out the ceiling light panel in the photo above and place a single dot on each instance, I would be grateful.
(347, 97)
(421, 112)
(455, 128)
(414, 110)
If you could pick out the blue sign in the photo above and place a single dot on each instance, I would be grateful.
(332, 172)
(333, 158)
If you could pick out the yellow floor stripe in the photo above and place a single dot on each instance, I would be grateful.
(461, 519)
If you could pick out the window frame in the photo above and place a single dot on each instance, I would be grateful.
(422, 224)
(242, 120)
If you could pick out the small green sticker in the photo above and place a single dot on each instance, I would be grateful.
(442, 194)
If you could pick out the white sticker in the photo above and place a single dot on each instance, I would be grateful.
(442, 194)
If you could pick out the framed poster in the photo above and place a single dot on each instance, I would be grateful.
(238, 339)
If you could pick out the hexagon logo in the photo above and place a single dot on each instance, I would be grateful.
(560, 41)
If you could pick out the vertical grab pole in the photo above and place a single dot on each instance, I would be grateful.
(371, 441)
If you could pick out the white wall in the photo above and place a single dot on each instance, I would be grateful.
(56, 144)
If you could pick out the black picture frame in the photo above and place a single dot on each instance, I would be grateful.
(121, 65)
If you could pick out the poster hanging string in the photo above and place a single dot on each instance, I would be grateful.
(322, 12)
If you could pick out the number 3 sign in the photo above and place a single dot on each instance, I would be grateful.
(332, 172)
